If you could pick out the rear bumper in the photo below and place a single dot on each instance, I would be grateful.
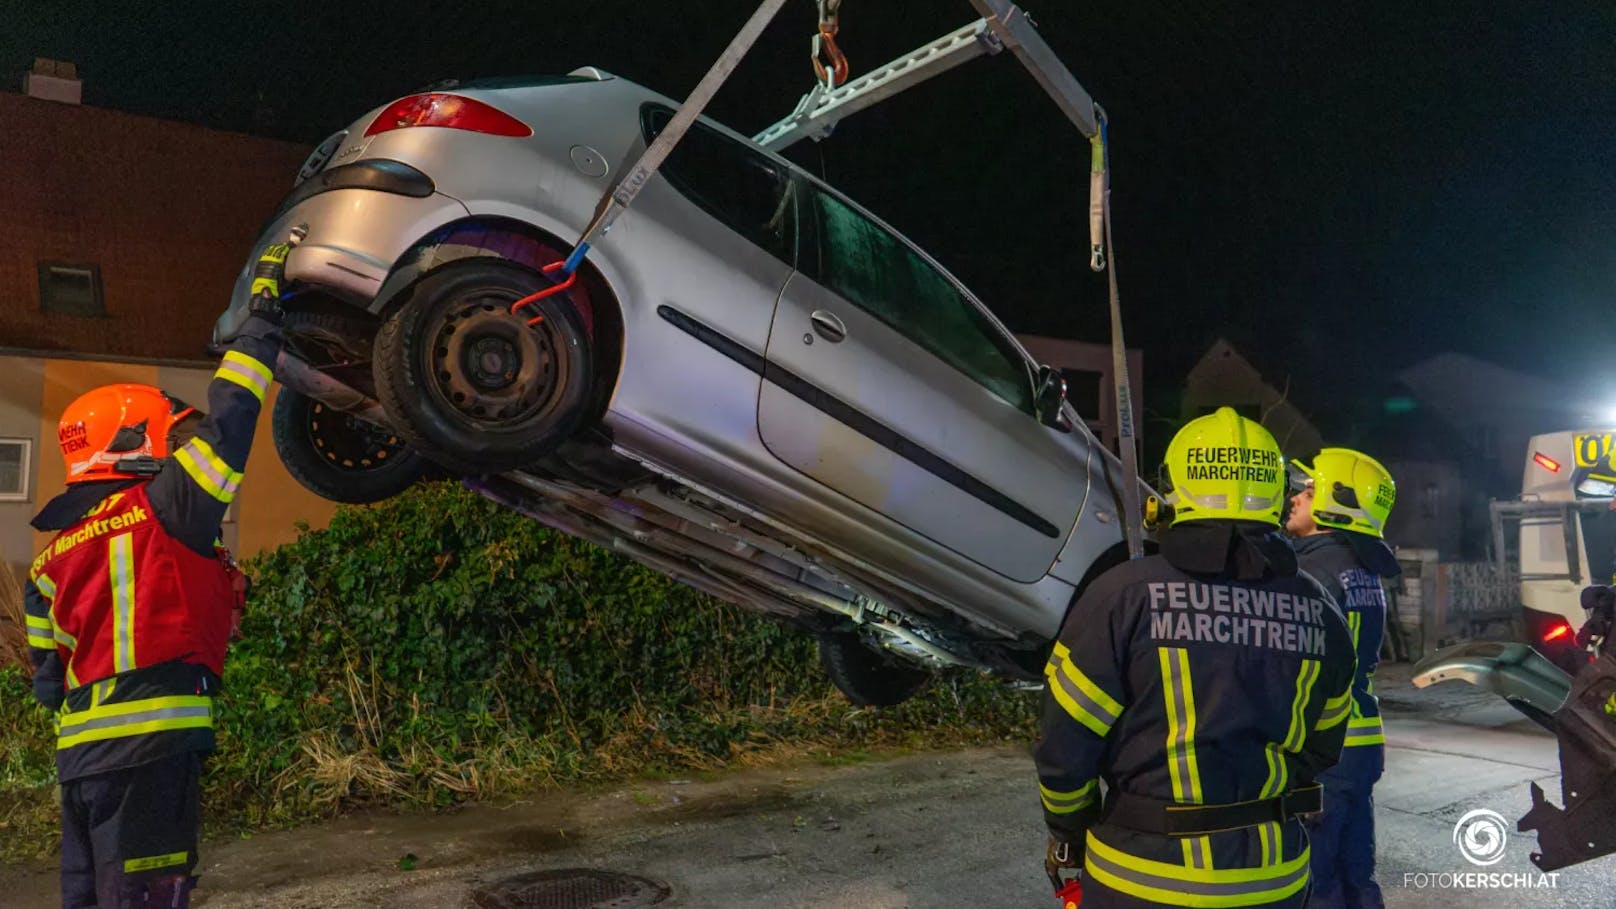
(355, 235)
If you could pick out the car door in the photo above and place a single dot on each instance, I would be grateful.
(888, 384)
(713, 240)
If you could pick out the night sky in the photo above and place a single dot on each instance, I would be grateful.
(1339, 188)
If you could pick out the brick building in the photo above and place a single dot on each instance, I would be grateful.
(120, 242)
(122, 235)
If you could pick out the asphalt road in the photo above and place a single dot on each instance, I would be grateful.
(929, 830)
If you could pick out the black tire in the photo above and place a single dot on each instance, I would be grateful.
(867, 677)
(473, 386)
(338, 457)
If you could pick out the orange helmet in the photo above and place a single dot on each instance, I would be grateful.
(118, 432)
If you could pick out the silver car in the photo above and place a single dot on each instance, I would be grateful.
(752, 385)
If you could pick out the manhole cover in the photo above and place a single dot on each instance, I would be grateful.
(573, 888)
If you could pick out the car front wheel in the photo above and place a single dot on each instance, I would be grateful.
(472, 384)
(869, 678)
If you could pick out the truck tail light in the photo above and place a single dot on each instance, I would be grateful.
(1546, 462)
(1557, 632)
(448, 111)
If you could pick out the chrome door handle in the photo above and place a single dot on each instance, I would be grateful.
(827, 326)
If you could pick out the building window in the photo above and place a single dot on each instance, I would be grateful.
(1431, 501)
(70, 289)
(15, 468)
(1083, 390)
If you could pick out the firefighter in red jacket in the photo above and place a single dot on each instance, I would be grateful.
(129, 609)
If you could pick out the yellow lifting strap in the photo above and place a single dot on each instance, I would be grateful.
(1103, 256)
(617, 199)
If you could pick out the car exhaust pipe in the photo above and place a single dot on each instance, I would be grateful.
(297, 375)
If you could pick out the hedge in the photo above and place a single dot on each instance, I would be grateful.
(438, 648)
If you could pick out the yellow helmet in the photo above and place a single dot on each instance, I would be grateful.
(1351, 491)
(1225, 466)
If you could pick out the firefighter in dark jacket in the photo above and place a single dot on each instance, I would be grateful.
(129, 609)
(1339, 519)
(1194, 695)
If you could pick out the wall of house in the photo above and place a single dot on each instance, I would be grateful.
(166, 211)
(1494, 412)
(22, 387)
(1431, 511)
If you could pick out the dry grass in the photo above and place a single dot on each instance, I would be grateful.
(338, 777)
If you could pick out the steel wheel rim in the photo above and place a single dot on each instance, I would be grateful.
(489, 366)
(348, 443)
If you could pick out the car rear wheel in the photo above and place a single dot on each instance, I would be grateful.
(474, 386)
(338, 457)
(869, 678)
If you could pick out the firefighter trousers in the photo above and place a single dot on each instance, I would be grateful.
(129, 836)
(1344, 836)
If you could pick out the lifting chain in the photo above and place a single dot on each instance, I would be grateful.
(830, 64)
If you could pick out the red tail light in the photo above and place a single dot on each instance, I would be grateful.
(1557, 632)
(450, 112)
(1546, 462)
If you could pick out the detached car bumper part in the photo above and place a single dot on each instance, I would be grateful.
(1515, 672)
(1580, 711)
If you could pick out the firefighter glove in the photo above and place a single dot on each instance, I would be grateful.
(1062, 861)
(268, 276)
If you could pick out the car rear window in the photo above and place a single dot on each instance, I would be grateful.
(732, 182)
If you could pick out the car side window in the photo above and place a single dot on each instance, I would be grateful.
(731, 182)
(878, 272)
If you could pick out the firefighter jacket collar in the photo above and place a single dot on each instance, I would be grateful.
(1239, 550)
(1371, 553)
(71, 506)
